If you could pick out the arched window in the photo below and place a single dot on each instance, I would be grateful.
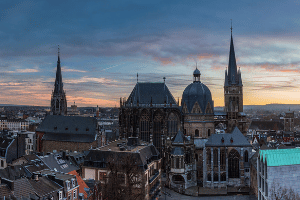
(208, 177)
(233, 164)
(215, 157)
(196, 157)
(177, 163)
(216, 177)
(222, 159)
(196, 133)
(172, 125)
(157, 131)
(208, 156)
(246, 156)
(145, 127)
(57, 104)
(208, 132)
(223, 176)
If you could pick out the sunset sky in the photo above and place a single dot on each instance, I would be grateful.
(103, 44)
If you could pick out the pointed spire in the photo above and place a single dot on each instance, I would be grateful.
(58, 86)
(232, 68)
(137, 77)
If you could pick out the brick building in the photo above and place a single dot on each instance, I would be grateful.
(70, 133)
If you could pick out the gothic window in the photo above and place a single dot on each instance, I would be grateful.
(233, 164)
(215, 157)
(172, 125)
(157, 126)
(246, 156)
(57, 104)
(208, 156)
(208, 132)
(196, 157)
(222, 158)
(145, 127)
(196, 133)
(223, 176)
(208, 177)
(216, 177)
(177, 163)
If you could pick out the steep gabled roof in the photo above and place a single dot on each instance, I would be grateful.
(145, 92)
(68, 128)
(238, 139)
(179, 138)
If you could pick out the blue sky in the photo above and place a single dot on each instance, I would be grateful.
(103, 45)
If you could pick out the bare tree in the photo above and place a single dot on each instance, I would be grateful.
(125, 179)
(278, 193)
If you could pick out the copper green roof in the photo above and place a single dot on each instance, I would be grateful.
(280, 157)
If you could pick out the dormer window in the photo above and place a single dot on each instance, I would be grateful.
(68, 185)
(222, 140)
(87, 129)
(55, 127)
(66, 128)
(231, 140)
(73, 182)
(60, 195)
(76, 129)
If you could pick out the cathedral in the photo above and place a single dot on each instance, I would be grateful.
(58, 98)
(193, 154)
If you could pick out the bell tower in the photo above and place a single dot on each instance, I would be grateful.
(233, 92)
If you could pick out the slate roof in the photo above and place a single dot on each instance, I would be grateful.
(266, 125)
(68, 128)
(179, 138)
(13, 172)
(141, 155)
(197, 92)
(44, 186)
(143, 92)
(4, 143)
(233, 77)
(238, 139)
(22, 188)
(177, 151)
(55, 162)
(200, 143)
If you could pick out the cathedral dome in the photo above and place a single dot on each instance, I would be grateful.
(196, 97)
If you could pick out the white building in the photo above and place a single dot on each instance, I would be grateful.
(278, 170)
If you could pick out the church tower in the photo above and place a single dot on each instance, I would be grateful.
(58, 98)
(233, 92)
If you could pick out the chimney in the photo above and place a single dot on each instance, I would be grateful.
(36, 177)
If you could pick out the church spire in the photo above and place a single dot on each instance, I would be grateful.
(58, 99)
(58, 86)
(232, 68)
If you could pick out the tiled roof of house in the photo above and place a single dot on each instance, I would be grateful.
(81, 183)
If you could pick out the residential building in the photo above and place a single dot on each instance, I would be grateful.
(143, 155)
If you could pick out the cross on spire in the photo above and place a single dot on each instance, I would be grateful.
(231, 26)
